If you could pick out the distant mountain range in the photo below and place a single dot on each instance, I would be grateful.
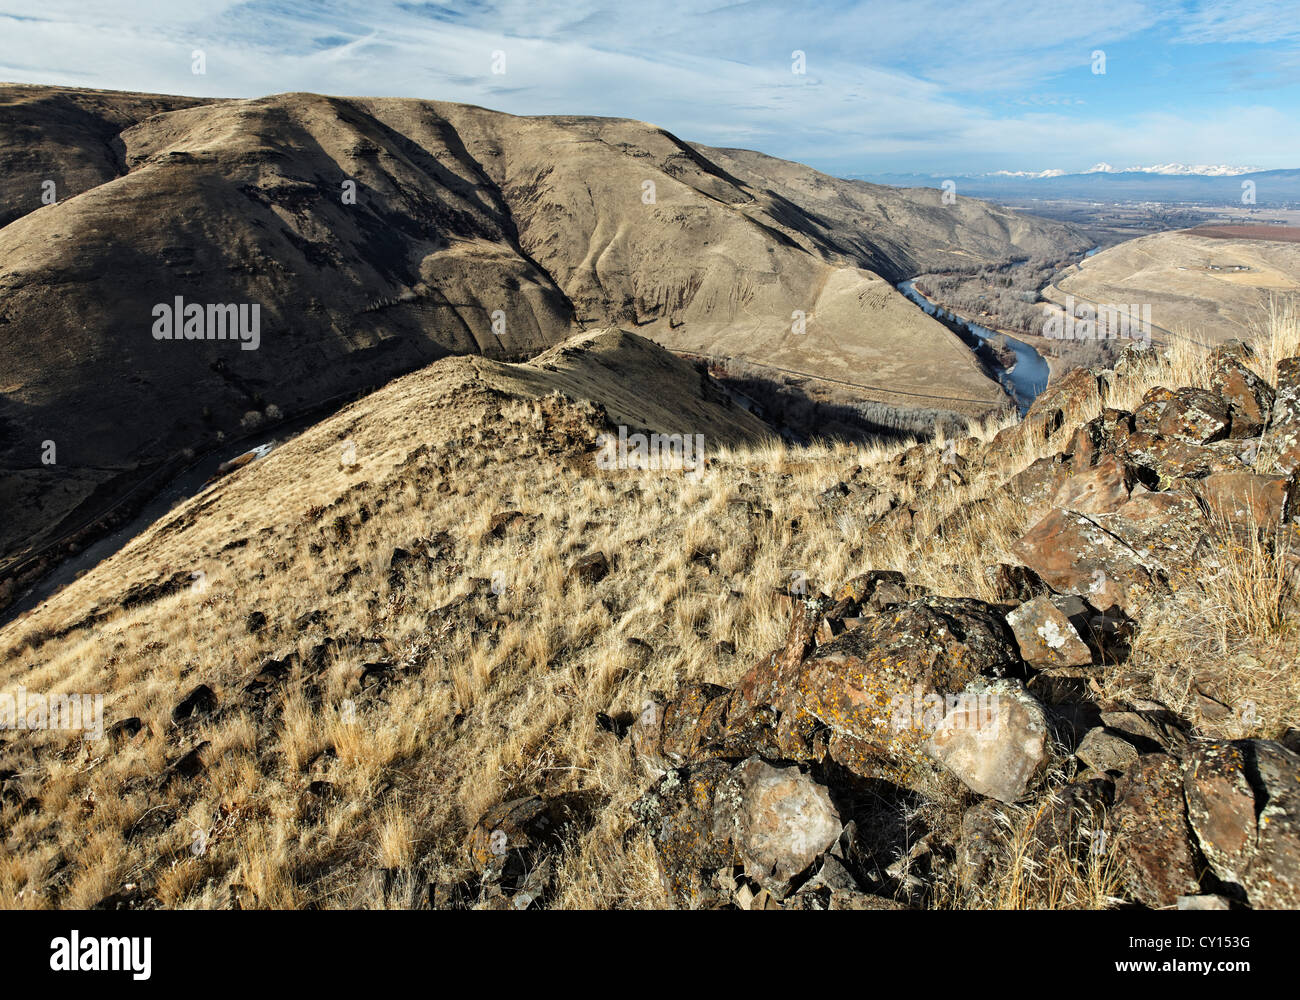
(1166, 182)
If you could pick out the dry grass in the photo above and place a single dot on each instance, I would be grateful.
(499, 662)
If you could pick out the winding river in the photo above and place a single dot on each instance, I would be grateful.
(1024, 380)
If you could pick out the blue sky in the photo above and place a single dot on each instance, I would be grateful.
(901, 85)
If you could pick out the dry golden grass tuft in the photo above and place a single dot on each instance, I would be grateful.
(496, 662)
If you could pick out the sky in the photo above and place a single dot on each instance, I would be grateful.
(925, 86)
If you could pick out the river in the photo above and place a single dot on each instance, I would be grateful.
(1024, 380)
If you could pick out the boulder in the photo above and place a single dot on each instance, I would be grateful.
(1151, 834)
(511, 837)
(1160, 461)
(1046, 636)
(881, 688)
(984, 845)
(1194, 415)
(1243, 802)
(590, 569)
(1249, 397)
(1105, 750)
(677, 813)
(1283, 434)
(1247, 498)
(202, 700)
(703, 819)
(783, 820)
(1100, 489)
(1166, 534)
(993, 739)
(1146, 418)
(1036, 484)
(1074, 554)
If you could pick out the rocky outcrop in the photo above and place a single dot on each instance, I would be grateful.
(927, 695)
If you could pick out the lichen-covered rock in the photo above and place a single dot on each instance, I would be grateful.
(1243, 802)
(878, 686)
(1273, 878)
(510, 837)
(1221, 808)
(1046, 636)
(782, 822)
(1074, 393)
(1103, 749)
(984, 845)
(1249, 397)
(1151, 834)
(1075, 554)
(1162, 461)
(1248, 499)
(678, 814)
(1194, 415)
(1100, 489)
(1166, 532)
(993, 740)
(1072, 819)
(1146, 418)
(1283, 434)
(1036, 484)
(775, 821)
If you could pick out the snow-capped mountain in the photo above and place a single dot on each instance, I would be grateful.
(1035, 174)
(1220, 184)
(1169, 169)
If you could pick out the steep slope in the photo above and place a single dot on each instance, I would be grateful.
(641, 228)
(243, 203)
(617, 377)
(68, 136)
(374, 236)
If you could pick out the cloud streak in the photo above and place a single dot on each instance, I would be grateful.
(914, 85)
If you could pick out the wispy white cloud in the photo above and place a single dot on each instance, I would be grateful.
(924, 80)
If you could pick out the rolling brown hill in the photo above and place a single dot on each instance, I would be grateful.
(1211, 287)
(472, 232)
